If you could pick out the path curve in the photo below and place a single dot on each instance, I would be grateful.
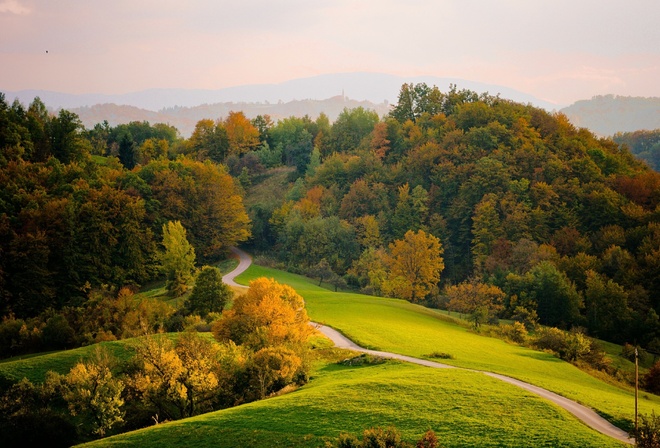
(244, 262)
(583, 413)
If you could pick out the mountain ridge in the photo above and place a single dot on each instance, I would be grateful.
(373, 87)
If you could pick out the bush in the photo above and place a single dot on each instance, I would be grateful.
(516, 332)
(440, 355)
(648, 431)
(383, 438)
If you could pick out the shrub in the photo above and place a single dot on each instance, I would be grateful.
(648, 431)
(440, 355)
(516, 332)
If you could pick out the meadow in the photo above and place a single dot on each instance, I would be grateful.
(464, 408)
(401, 327)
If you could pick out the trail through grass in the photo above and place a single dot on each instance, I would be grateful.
(400, 327)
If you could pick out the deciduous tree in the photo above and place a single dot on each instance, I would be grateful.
(178, 258)
(415, 264)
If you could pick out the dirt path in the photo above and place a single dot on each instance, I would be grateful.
(583, 413)
(244, 262)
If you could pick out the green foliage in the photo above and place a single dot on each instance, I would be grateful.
(648, 431)
(210, 294)
(178, 258)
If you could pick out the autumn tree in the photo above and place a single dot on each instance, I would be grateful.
(175, 380)
(178, 258)
(480, 300)
(268, 314)
(209, 140)
(415, 264)
(273, 366)
(94, 394)
(242, 134)
(210, 294)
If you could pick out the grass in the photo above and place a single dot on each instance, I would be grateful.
(398, 326)
(465, 409)
(34, 367)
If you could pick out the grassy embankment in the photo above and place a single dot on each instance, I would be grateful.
(464, 408)
(400, 327)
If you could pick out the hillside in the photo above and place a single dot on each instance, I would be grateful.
(606, 115)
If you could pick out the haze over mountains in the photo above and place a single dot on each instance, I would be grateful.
(373, 87)
(330, 94)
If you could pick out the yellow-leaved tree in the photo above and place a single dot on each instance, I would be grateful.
(415, 263)
(269, 314)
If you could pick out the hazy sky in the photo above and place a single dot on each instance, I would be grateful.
(557, 50)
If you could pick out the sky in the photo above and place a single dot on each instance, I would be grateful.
(557, 50)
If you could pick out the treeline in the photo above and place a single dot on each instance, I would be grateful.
(562, 224)
(71, 223)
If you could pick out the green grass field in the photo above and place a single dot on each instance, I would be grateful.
(398, 326)
(465, 409)
(34, 367)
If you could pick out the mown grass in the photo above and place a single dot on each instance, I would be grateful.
(465, 409)
(398, 326)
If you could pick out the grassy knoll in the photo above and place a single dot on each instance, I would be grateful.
(465, 409)
(400, 327)
(35, 367)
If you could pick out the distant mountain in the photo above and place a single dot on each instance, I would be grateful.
(185, 118)
(374, 87)
(606, 115)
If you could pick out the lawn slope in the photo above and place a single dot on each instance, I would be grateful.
(465, 409)
(400, 327)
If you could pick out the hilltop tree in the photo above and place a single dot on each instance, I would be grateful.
(415, 264)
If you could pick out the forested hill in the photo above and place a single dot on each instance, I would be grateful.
(609, 114)
(185, 118)
(551, 222)
(563, 223)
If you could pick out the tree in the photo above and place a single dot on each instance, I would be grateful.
(415, 264)
(272, 366)
(210, 140)
(178, 258)
(480, 300)
(176, 380)
(242, 134)
(351, 127)
(127, 152)
(95, 395)
(210, 294)
(268, 314)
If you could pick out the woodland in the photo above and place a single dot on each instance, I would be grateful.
(454, 200)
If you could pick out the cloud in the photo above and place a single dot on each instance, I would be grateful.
(13, 7)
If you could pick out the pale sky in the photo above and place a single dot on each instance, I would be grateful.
(557, 50)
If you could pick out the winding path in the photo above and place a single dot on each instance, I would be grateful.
(583, 413)
(244, 262)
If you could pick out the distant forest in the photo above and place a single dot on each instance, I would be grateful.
(643, 144)
(610, 114)
(562, 223)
